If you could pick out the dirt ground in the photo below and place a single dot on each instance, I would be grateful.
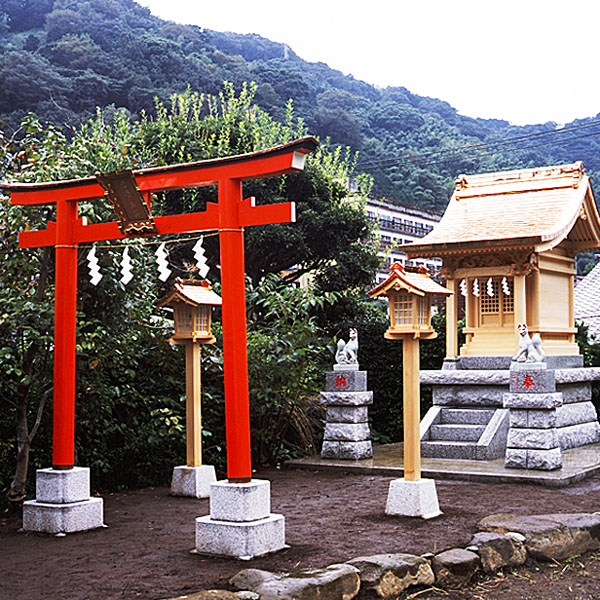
(330, 517)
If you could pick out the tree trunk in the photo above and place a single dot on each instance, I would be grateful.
(17, 490)
(16, 493)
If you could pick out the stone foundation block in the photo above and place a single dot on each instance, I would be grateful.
(575, 392)
(576, 413)
(347, 450)
(243, 540)
(48, 517)
(347, 432)
(578, 435)
(56, 486)
(543, 460)
(240, 502)
(527, 380)
(346, 398)
(543, 439)
(515, 458)
(412, 499)
(347, 414)
(533, 419)
(488, 396)
(193, 482)
(346, 381)
(533, 401)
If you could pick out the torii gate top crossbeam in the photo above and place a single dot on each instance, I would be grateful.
(255, 165)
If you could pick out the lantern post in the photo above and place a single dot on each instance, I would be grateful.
(192, 301)
(410, 294)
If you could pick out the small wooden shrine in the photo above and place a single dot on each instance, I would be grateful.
(508, 241)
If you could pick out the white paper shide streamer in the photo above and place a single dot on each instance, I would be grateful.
(476, 288)
(505, 287)
(163, 264)
(490, 287)
(126, 272)
(203, 267)
(463, 288)
(95, 275)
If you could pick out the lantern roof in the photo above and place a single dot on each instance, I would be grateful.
(191, 291)
(415, 281)
(533, 208)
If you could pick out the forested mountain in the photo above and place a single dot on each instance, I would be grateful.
(62, 58)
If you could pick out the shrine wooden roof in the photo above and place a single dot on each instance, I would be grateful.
(418, 282)
(530, 208)
(192, 292)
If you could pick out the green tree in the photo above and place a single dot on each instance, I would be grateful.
(129, 427)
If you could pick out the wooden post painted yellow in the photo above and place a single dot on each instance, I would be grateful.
(451, 320)
(411, 405)
(193, 388)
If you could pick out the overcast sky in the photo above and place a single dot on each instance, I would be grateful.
(526, 61)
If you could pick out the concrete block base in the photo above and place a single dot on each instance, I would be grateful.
(240, 502)
(193, 482)
(413, 499)
(60, 487)
(46, 517)
(347, 450)
(242, 540)
(63, 503)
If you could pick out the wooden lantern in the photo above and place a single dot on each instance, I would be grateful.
(192, 302)
(410, 294)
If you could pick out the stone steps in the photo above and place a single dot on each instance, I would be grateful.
(467, 433)
(449, 449)
(471, 416)
(461, 432)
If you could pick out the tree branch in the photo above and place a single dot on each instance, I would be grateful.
(40, 412)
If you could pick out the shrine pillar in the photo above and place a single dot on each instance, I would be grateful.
(451, 318)
(520, 303)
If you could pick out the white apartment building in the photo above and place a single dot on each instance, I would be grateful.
(399, 224)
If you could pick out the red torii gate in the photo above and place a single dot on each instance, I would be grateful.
(229, 215)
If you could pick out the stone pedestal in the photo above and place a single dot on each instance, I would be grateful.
(347, 434)
(413, 499)
(533, 441)
(240, 523)
(193, 482)
(63, 503)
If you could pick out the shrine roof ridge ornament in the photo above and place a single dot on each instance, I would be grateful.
(519, 181)
(534, 209)
(194, 174)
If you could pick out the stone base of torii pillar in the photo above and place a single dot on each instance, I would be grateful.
(240, 523)
(63, 503)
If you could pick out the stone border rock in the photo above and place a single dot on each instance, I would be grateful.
(503, 540)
